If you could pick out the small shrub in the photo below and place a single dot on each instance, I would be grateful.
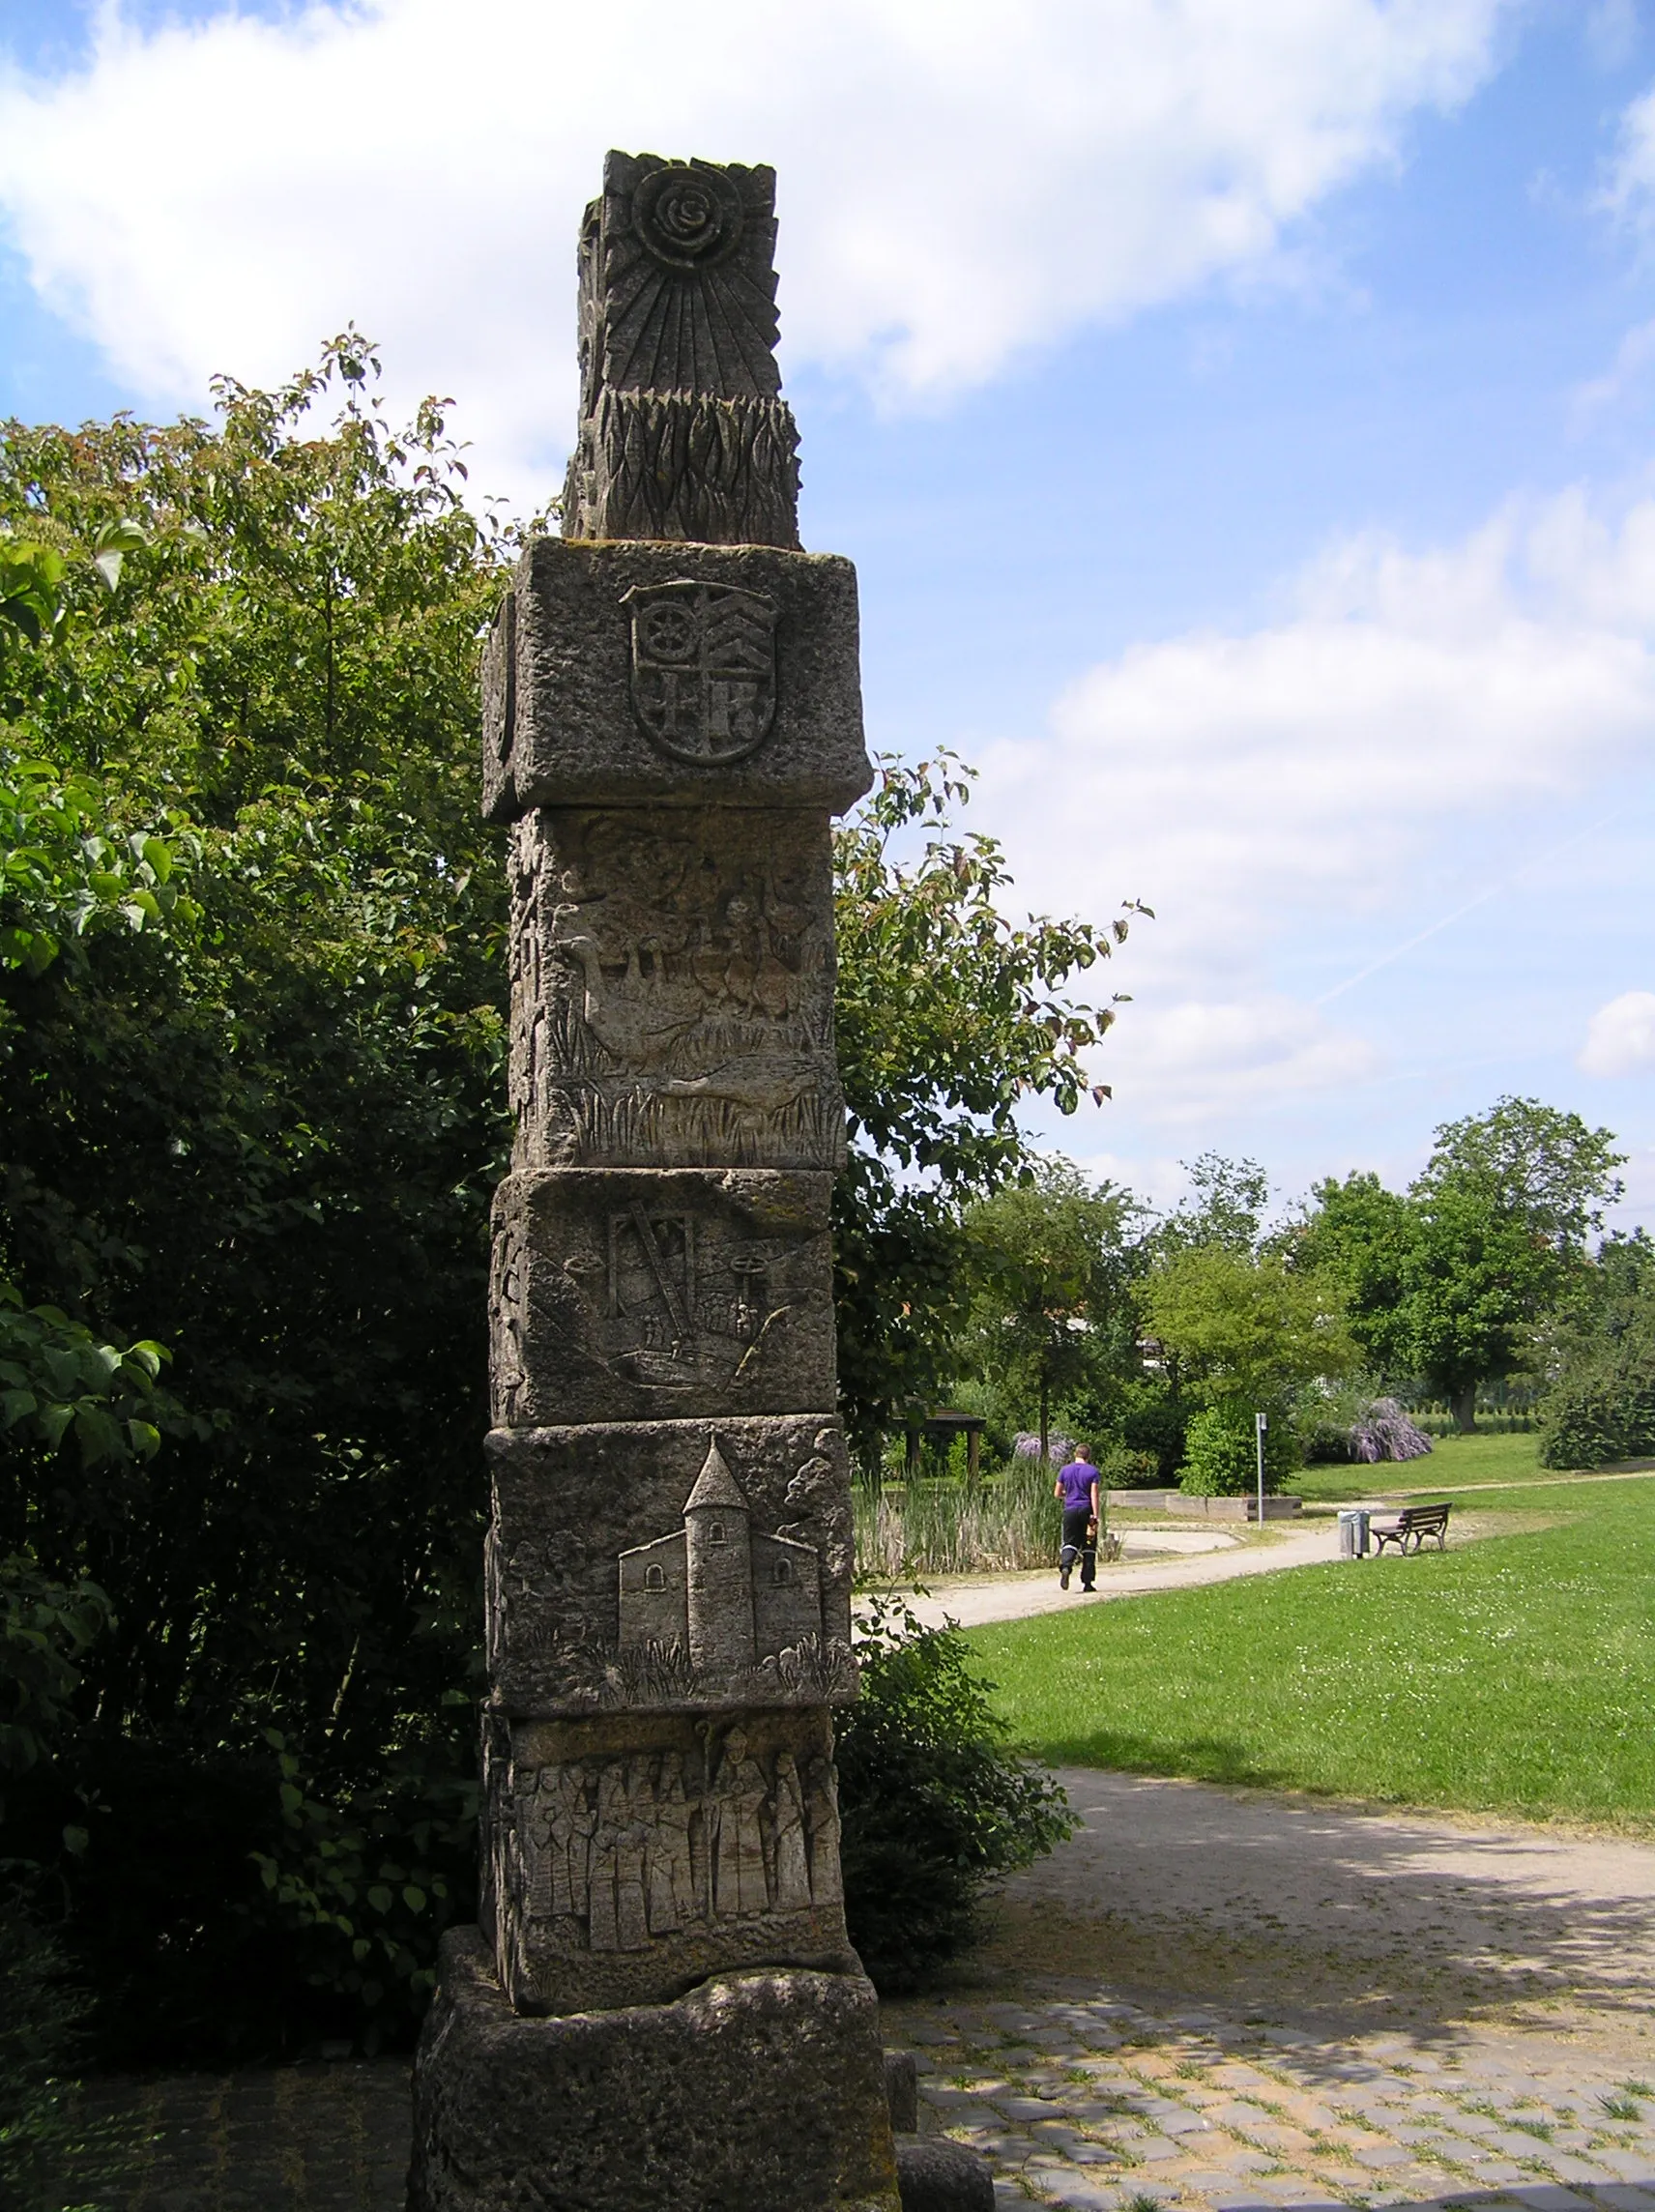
(1603, 1413)
(1123, 1469)
(935, 1808)
(1221, 1453)
(1327, 1443)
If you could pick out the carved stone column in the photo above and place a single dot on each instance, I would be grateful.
(662, 2005)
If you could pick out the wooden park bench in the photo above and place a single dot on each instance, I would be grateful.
(1410, 1527)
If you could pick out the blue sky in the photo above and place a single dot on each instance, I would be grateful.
(1240, 412)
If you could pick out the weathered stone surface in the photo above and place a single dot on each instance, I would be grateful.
(672, 995)
(630, 1858)
(624, 672)
(902, 2091)
(683, 431)
(936, 2175)
(624, 1295)
(758, 2092)
(615, 1585)
(672, 710)
(677, 465)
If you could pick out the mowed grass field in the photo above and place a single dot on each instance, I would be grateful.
(1513, 1675)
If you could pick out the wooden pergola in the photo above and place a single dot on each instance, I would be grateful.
(945, 1426)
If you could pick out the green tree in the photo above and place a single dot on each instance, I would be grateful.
(1503, 1207)
(948, 1017)
(1599, 1405)
(266, 1135)
(1365, 1235)
(1225, 1207)
(1245, 1327)
(1051, 1256)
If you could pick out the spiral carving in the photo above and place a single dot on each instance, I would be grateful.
(687, 218)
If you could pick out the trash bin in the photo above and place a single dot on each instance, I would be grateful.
(1353, 1534)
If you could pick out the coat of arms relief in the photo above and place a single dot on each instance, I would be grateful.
(703, 669)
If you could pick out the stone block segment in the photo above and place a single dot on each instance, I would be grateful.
(672, 999)
(632, 1295)
(760, 2090)
(574, 1512)
(625, 674)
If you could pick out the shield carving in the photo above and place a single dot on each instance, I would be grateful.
(703, 668)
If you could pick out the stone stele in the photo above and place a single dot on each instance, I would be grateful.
(660, 2005)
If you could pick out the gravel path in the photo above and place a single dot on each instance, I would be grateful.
(1204, 1556)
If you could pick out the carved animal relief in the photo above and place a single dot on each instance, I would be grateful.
(674, 998)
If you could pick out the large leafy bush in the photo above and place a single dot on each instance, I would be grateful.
(1221, 1452)
(1601, 1405)
(935, 1806)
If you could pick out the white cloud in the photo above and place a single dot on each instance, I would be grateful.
(1263, 790)
(1629, 187)
(1620, 1037)
(1191, 1059)
(959, 178)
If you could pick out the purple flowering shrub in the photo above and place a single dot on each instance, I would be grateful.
(1060, 1449)
(1384, 1431)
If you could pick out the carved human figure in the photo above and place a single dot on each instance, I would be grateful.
(737, 1848)
(670, 1872)
(603, 1931)
(787, 1826)
(822, 1812)
(571, 1822)
(637, 1811)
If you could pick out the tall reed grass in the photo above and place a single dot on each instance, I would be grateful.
(1007, 1521)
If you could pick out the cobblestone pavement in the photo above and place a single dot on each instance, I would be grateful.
(1208, 2000)
(1288, 2003)
(1081, 2099)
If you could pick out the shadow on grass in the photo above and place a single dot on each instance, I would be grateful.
(1196, 1758)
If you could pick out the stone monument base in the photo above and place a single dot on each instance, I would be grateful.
(763, 2090)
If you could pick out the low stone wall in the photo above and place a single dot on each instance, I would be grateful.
(1203, 1508)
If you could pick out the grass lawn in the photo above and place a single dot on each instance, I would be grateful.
(1515, 1674)
(1453, 1461)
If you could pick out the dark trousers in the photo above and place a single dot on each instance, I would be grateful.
(1077, 1544)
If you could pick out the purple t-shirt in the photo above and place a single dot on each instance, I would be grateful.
(1077, 1479)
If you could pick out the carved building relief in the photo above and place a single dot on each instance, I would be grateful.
(725, 1593)
(615, 1584)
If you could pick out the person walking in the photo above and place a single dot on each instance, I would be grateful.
(1077, 1489)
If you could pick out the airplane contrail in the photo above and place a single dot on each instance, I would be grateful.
(1448, 919)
